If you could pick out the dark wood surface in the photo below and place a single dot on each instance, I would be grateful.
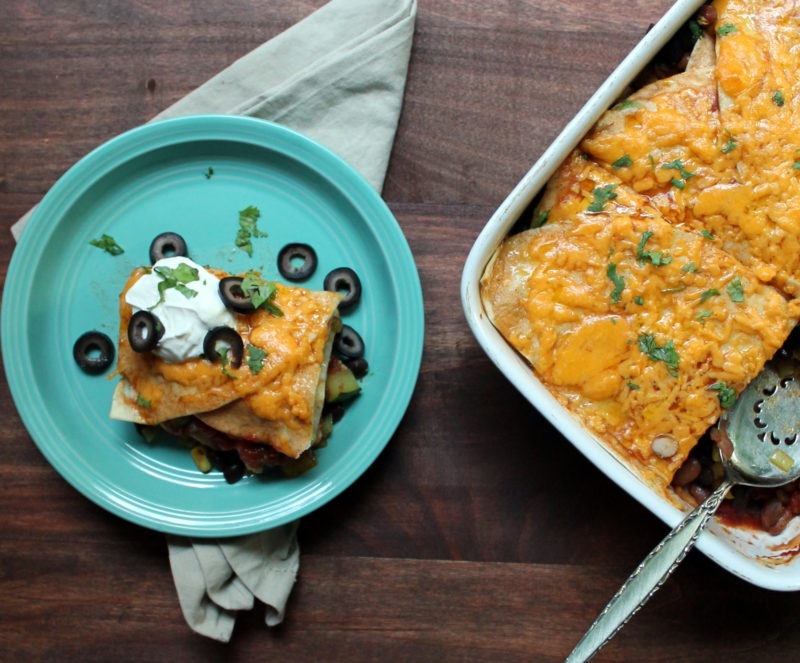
(480, 534)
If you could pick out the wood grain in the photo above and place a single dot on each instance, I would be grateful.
(480, 534)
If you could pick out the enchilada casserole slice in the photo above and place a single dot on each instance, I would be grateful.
(278, 405)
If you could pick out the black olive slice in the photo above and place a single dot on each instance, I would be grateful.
(358, 367)
(144, 331)
(226, 336)
(93, 352)
(348, 343)
(230, 289)
(345, 281)
(167, 245)
(296, 262)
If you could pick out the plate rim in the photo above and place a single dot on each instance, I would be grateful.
(114, 153)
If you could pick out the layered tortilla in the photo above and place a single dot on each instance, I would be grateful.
(278, 404)
(636, 326)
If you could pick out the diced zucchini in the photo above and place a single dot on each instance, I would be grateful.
(341, 384)
(295, 468)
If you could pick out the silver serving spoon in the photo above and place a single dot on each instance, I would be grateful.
(759, 446)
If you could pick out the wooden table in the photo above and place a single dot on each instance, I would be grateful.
(480, 534)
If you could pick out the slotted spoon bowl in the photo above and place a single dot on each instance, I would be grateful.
(759, 446)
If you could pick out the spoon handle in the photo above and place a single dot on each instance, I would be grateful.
(648, 577)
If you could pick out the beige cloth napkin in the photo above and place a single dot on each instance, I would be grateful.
(338, 77)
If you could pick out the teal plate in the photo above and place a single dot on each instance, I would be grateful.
(152, 180)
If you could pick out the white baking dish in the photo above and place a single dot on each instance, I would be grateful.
(771, 562)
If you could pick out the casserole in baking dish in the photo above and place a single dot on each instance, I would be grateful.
(659, 267)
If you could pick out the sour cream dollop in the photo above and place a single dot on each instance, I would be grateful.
(186, 320)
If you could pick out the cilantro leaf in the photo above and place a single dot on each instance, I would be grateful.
(209, 173)
(658, 258)
(796, 165)
(678, 165)
(625, 104)
(696, 30)
(708, 235)
(690, 267)
(633, 386)
(725, 394)
(261, 293)
(639, 300)
(665, 353)
(108, 244)
(175, 278)
(602, 195)
(730, 145)
(624, 161)
(726, 29)
(618, 281)
(713, 292)
(736, 290)
(540, 219)
(778, 98)
(223, 357)
(255, 358)
(141, 401)
(681, 184)
(248, 218)
(703, 315)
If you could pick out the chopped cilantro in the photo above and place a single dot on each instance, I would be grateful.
(639, 300)
(778, 98)
(681, 184)
(255, 358)
(141, 401)
(658, 258)
(708, 235)
(677, 288)
(602, 194)
(713, 292)
(665, 353)
(726, 29)
(248, 218)
(690, 267)
(540, 219)
(223, 357)
(626, 104)
(618, 281)
(678, 165)
(702, 315)
(730, 145)
(633, 386)
(725, 394)
(176, 278)
(736, 290)
(108, 244)
(261, 293)
(624, 161)
(652, 161)
(696, 30)
(796, 165)
(209, 173)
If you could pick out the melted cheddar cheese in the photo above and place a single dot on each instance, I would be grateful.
(282, 391)
(666, 270)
